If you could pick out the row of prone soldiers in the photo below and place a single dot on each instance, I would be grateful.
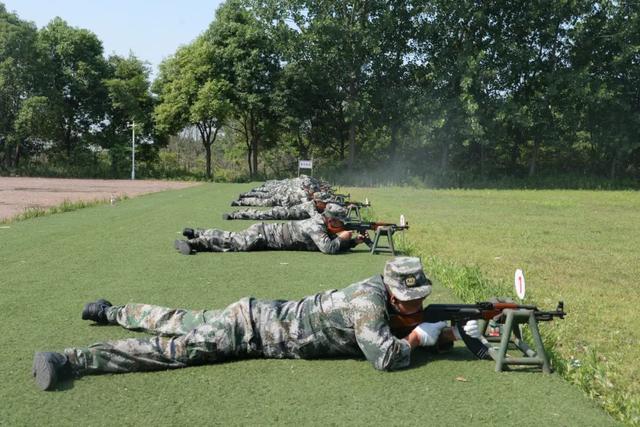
(316, 214)
(356, 321)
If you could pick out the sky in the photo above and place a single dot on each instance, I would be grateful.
(151, 29)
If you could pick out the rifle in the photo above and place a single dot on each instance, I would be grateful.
(460, 314)
(342, 198)
(321, 205)
(364, 204)
(362, 227)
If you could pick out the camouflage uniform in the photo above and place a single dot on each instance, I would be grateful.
(272, 186)
(286, 197)
(302, 211)
(306, 235)
(287, 192)
(352, 322)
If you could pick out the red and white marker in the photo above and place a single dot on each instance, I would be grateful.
(519, 284)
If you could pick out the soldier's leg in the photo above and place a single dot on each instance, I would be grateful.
(254, 201)
(280, 212)
(158, 320)
(277, 212)
(246, 214)
(256, 194)
(216, 240)
(227, 334)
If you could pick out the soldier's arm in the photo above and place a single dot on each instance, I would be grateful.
(324, 242)
(374, 337)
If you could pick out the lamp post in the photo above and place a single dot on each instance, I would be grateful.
(133, 149)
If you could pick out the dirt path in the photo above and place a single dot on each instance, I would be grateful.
(18, 194)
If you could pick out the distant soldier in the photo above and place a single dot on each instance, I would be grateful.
(302, 211)
(352, 322)
(271, 187)
(285, 197)
(284, 193)
(306, 235)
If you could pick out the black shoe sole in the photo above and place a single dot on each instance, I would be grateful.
(183, 247)
(44, 372)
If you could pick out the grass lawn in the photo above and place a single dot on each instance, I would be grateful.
(51, 266)
(582, 247)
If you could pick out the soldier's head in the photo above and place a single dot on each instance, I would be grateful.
(407, 284)
(334, 215)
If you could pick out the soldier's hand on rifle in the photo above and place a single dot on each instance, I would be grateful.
(472, 329)
(362, 237)
(344, 235)
(429, 332)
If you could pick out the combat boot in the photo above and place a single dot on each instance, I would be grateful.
(235, 203)
(189, 233)
(50, 368)
(226, 216)
(183, 247)
(96, 311)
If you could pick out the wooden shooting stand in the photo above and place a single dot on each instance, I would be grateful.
(511, 339)
(354, 209)
(377, 245)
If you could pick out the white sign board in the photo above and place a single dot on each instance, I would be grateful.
(305, 164)
(519, 283)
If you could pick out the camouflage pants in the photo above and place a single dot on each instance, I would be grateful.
(185, 338)
(258, 194)
(215, 240)
(278, 212)
(257, 201)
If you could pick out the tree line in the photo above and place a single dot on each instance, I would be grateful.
(415, 88)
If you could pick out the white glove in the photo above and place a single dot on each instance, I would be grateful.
(472, 329)
(429, 332)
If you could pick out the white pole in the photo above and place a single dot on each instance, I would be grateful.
(133, 150)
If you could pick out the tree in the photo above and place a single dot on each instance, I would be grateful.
(19, 81)
(74, 71)
(190, 94)
(342, 39)
(246, 58)
(129, 101)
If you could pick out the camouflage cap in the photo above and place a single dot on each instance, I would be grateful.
(333, 210)
(405, 278)
(322, 196)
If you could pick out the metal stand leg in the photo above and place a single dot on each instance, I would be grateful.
(511, 328)
(377, 247)
(354, 209)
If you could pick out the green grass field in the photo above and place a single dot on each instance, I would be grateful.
(577, 246)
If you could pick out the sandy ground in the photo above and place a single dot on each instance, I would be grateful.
(18, 194)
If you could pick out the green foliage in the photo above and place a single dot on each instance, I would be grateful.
(74, 70)
(442, 93)
(249, 61)
(192, 95)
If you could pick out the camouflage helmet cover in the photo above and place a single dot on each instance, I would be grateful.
(405, 278)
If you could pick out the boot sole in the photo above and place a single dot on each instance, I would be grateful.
(43, 372)
(183, 247)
